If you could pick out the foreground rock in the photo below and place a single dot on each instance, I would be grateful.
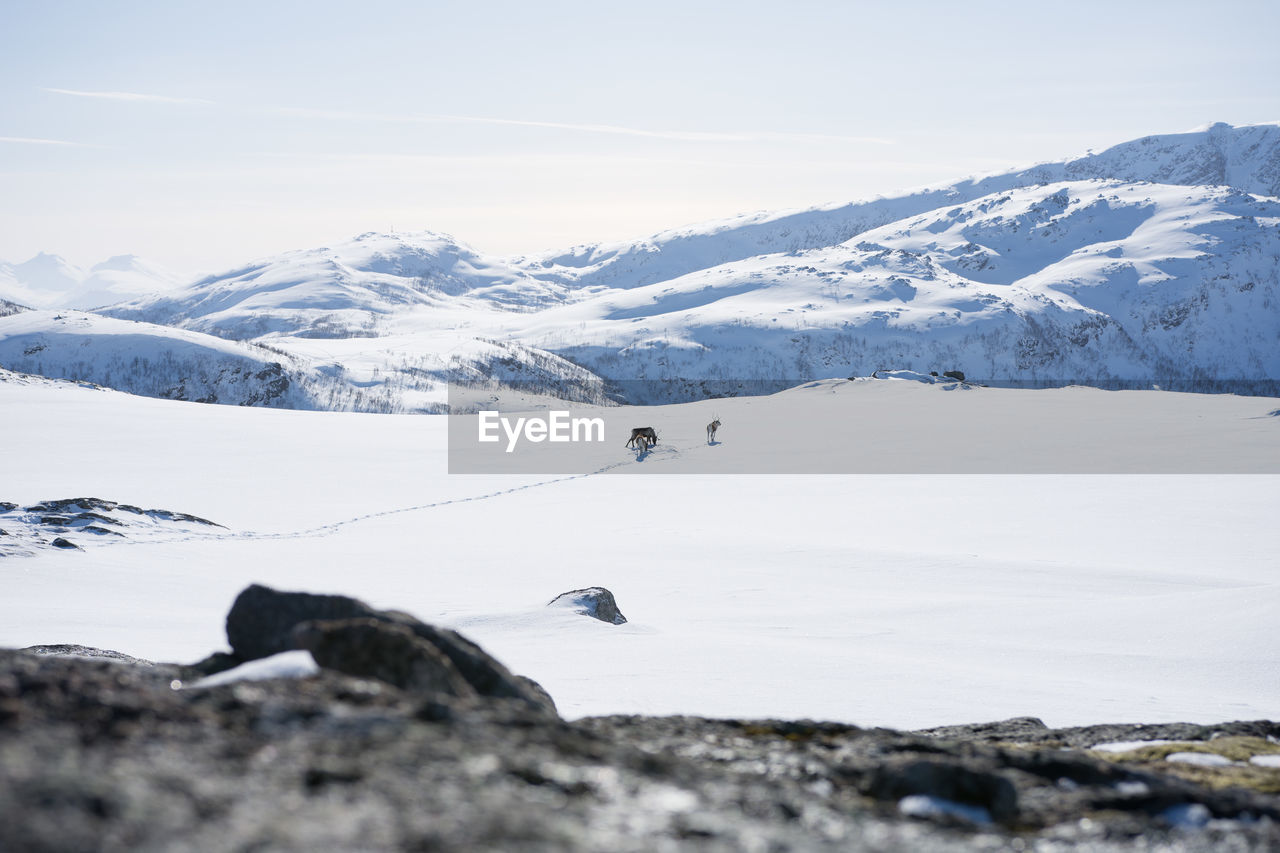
(264, 621)
(594, 601)
(103, 752)
(72, 650)
(385, 651)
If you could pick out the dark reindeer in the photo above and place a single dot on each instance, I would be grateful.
(642, 438)
(711, 430)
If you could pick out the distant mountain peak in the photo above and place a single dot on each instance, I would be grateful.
(118, 263)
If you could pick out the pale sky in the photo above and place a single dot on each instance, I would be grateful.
(204, 135)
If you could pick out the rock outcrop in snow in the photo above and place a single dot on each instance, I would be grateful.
(26, 530)
(594, 601)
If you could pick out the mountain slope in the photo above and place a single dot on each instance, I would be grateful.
(161, 361)
(157, 361)
(1085, 282)
(1247, 158)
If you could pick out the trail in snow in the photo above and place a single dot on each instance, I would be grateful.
(326, 529)
(667, 452)
(331, 528)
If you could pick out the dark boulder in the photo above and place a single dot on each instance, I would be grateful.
(957, 375)
(261, 623)
(373, 648)
(66, 543)
(594, 601)
(537, 690)
(261, 620)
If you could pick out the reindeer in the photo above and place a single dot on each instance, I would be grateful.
(642, 438)
(711, 430)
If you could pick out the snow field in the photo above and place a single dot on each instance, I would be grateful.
(892, 600)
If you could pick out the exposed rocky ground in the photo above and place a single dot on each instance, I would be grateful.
(76, 522)
(410, 737)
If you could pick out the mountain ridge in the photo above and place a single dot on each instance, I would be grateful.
(1152, 262)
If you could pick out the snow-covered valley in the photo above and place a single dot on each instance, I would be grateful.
(891, 599)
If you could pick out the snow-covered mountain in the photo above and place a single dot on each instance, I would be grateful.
(49, 281)
(1247, 158)
(120, 278)
(347, 290)
(1152, 262)
(1089, 282)
(41, 282)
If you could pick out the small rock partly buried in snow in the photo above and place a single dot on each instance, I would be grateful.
(65, 543)
(594, 601)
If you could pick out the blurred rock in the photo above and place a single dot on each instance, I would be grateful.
(262, 620)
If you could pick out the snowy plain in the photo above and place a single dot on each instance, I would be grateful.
(905, 600)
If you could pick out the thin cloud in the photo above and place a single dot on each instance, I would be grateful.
(340, 115)
(27, 140)
(678, 135)
(825, 137)
(128, 96)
